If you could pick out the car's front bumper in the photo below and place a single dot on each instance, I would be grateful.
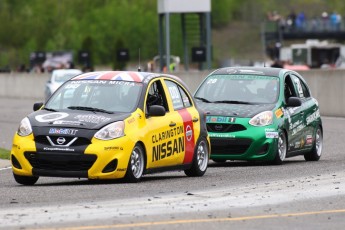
(100, 160)
(254, 143)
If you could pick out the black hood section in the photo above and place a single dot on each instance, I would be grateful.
(74, 119)
(68, 132)
(234, 110)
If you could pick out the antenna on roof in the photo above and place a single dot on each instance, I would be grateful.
(139, 69)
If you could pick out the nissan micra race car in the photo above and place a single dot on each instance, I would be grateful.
(263, 114)
(112, 124)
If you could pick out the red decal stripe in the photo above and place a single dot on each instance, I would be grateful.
(188, 135)
(108, 75)
(135, 76)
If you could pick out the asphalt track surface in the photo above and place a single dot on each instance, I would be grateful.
(232, 195)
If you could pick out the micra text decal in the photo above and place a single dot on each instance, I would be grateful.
(163, 148)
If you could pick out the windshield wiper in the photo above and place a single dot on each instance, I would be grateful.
(89, 109)
(233, 102)
(202, 99)
(49, 109)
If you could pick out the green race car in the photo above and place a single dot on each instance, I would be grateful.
(262, 114)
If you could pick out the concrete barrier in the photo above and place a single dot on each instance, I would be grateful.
(327, 86)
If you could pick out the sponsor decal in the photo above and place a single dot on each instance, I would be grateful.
(312, 117)
(121, 169)
(220, 119)
(222, 135)
(95, 119)
(112, 148)
(63, 131)
(58, 149)
(270, 130)
(167, 143)
(308, 140)
(189, 133)
(297, 129)
(51, 117)
(167, 149)
(173, 132)
(76, 123)
(131, 120)
(297, 144)
(272, 135)
(278, 113)
(302, 142)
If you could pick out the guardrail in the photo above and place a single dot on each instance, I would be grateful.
(327, 87)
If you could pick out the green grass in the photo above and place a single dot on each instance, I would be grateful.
(4, 154)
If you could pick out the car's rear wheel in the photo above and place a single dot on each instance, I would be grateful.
(281, 149)
(25, 180)
(200, 160)
(316, 151)
(136, 164)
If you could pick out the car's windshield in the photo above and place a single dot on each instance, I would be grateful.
(96, 95)
(65, 76)
(239, 89)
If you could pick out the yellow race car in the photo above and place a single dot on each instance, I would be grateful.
(112, 124)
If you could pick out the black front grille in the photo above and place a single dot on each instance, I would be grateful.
(224, 128)
(60, 161)
(229, 145)
(79, 142)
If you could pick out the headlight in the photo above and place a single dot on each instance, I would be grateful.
(111, 131)
(24, 128)
(262, 119)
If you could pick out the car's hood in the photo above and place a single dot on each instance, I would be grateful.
(234, 110)
(74, 118)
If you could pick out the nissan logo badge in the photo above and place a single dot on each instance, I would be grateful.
(61, 140)
(218, 127)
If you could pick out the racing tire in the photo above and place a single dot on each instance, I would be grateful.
(316, 151)
(200, 159)
(136, 165)
(25, 180)
(281, 149)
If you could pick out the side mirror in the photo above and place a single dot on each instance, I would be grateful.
(37, 106)
(293, 102)
(156, 110)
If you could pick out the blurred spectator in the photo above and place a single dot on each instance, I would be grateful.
(291, 20)
(300, 20)
(324, 20)
(273, 16)
(335, 20)
(21, 68)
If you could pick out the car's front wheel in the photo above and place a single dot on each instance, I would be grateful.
(200, 160)
(316, 151)
(281, 149)
(25, 180)
(136, 164)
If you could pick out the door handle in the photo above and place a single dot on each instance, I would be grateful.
(172, 124)
(195, 119)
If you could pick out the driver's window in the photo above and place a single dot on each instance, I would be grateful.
(289, 89)
(156, 95)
